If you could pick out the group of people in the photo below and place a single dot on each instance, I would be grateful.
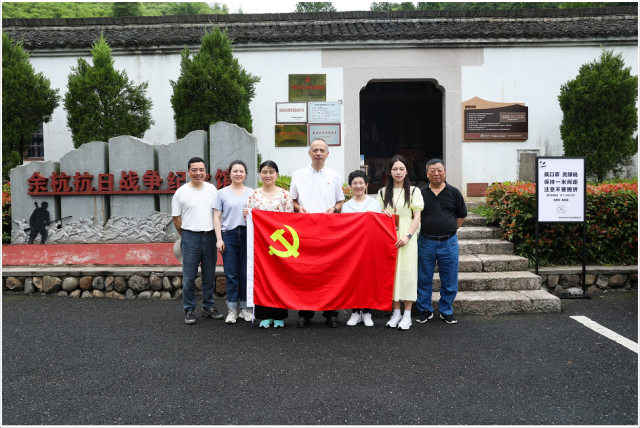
(437, 210)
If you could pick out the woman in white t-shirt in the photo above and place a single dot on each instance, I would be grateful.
(231, 234)
(360, 203)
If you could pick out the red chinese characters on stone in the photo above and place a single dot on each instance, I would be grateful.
(60, 183)
(37, 183)
(105, 182)
(174, 180)
(82, 182)
(129, 181)
(152, 179)
(222, 178)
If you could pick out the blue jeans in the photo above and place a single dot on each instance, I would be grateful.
(198, 248)
(447, 255)
(234, 261)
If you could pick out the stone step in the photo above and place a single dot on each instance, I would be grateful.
(502, 302)
(474, 220)
(485, 246)
(493, 281)
(491, 263)
(479, 232)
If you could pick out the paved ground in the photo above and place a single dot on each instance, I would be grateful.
(102, 361)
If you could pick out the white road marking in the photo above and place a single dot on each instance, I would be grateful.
(609, 334)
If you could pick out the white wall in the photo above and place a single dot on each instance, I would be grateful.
(530, 75)
(525, 75)
(272, 66)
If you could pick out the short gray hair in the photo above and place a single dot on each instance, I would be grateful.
(435, 161)
(319, 139)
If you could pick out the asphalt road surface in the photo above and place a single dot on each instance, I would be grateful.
(103, 361)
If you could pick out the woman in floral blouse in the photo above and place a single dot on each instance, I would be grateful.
(270, 198)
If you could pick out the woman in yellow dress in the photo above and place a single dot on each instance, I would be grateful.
(401, 199)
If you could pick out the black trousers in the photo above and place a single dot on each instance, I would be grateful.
(309, 314)
(265, 313)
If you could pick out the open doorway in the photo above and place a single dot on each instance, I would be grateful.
(403, 118)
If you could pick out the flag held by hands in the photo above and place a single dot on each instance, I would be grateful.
(320, 261)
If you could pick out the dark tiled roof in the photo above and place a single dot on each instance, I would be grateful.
(323, 27)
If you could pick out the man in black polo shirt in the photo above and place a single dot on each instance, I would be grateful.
(444, 212)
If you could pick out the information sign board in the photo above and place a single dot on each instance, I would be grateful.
(291, 135)
(324, 112)
(291, 112)
(489, 121)
(307, 87)
(329, 133)
(560, 189)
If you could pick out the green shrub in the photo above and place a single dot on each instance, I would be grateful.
(612, 225)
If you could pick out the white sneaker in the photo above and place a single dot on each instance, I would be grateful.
(393, 322)
(245, 314)
(405, 323)
(231, 318)
(355, 319)
(368, 322)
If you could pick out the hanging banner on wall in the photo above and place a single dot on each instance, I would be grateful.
(326, 112)
(560, 189)
(329, 133)
(291, 112)
(291, 135)
(489, 121)
(307, 87)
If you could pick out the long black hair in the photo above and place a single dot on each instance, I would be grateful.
(388, 193)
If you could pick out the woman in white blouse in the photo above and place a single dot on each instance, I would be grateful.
(360, 203)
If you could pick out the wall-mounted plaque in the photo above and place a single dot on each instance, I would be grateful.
(291, 112)
(329, 133)
(324, 112)
(307, 87)
(488, 121)
(291, 135)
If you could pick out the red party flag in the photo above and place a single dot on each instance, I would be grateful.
(323, 261)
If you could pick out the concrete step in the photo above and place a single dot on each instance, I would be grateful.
(502, 302)
(479, 232)
(491, 263)
(485, 246)
(493, 281)
(474, 220)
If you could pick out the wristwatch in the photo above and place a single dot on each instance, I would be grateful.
(335, 210)
(409, 235)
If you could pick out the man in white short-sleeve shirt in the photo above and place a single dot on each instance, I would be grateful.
(317, 189)
(192, 212)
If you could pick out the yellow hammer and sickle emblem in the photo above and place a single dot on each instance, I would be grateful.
(292, 250)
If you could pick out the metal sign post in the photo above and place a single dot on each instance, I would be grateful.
(561, 197)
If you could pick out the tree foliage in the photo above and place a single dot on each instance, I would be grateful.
(600, 115)
(102, 103)
(27, 101)
(108, 9)
(126, 9)
(314, 6)
(212, 86)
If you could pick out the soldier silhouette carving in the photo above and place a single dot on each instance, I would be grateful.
(39, 219)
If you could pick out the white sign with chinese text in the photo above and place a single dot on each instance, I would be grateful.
(328, 133)
(324, 112)
(561, 190)
(291, 112)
